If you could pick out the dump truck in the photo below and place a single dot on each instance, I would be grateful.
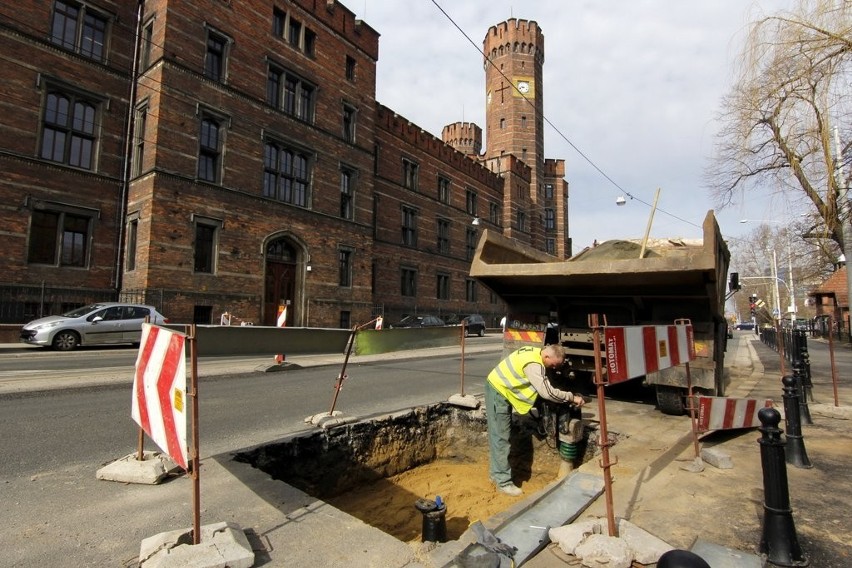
(626, 283)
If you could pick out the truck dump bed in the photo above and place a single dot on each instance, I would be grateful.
(673, 269)
(674, 279)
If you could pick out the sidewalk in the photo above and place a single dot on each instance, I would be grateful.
(725, 506)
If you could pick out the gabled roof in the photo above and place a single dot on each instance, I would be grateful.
(835, 285)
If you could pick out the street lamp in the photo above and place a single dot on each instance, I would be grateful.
(792, 308)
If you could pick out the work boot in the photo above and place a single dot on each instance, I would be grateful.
(510, 489)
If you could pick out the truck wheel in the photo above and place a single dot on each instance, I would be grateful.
(670, 400)
(65, 341)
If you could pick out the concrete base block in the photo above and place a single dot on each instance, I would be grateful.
(831, 411)
(274, 367)
(223, 545)
(326, 420)
(717, 458)
(151, 470)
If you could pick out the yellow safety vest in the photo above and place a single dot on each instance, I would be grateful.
(509, 379)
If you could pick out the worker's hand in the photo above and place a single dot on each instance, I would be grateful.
(578, 400)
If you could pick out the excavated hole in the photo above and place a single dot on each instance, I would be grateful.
(378, 468)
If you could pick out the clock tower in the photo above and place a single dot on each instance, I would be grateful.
(514, 57)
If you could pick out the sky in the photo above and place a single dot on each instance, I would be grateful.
(633, 90)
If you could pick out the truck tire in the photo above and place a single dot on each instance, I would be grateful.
(670, 400)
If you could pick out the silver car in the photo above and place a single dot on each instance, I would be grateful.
(96, 324)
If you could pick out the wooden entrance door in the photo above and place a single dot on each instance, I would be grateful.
(280, 286)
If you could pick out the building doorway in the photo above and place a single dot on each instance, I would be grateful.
(281, 288)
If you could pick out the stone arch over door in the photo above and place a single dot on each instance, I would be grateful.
(285, 258)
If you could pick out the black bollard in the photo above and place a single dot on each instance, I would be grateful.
(779, 541)
(795, 446)
(681, 559)
(434, 519)
(798, 375)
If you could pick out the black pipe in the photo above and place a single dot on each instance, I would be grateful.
(434, 519)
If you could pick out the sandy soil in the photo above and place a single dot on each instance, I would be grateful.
(461, 481)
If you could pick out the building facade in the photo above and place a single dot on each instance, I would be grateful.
(211, 157)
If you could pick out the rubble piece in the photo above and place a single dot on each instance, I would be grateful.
(603, 551)
(568, 537)
(717, 458)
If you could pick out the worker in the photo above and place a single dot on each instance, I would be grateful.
(516, 383)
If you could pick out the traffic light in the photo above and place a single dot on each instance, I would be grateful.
(752, 304)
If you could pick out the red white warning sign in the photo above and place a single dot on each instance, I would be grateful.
(159, 390)
(719, 413)
(633, 351)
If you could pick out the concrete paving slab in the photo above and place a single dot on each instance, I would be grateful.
(527, 529)
(719, 556)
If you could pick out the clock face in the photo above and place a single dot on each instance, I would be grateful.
(523, 87)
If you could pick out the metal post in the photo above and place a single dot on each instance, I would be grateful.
(196, 461)
(831, 356)
(603, 440)
(800, 388)
(778, 541)
(795, 445)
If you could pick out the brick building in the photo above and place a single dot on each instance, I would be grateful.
(254, 167)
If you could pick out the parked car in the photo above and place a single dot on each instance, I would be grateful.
(418, 321)
(745, 325)
(96, 324)
(475, 324)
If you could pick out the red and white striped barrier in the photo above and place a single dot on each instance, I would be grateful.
(720, 413)
(159, 390)
(633, 351)
(281, 321)
(379, 322)
(525, 336)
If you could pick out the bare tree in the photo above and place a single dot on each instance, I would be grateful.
(778, 121)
